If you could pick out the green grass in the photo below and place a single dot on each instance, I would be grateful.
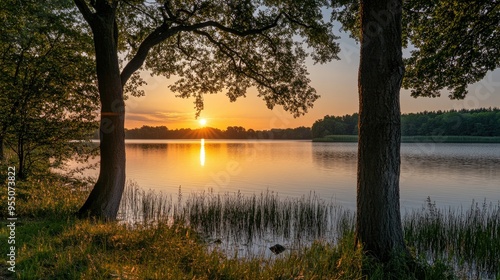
(52, 244)
(417, 139)
(87, 250)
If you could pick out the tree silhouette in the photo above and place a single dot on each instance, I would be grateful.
(211, 46)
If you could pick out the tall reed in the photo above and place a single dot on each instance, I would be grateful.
(254, 216)
(467, 239)
(245, 218)
(140, 206)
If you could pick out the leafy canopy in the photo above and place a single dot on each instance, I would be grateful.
(225, 45)
(47, 78)
(455, 43)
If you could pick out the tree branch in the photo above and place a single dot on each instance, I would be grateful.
(142, 11)
(237, 32)
(168, 11)
(85, 11)
(164, 32)
(224, 49)
(157, 36)
(291, 19)
(184, 51)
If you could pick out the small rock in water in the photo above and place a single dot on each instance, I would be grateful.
(277, 249)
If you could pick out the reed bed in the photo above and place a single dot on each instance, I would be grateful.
(468, 240)
(143, 207)
(244, 218)
(251, 217)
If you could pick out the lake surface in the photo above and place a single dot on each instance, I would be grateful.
(452, 175)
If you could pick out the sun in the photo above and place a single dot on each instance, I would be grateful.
(203, 122)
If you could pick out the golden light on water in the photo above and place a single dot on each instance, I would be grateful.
(202, 152)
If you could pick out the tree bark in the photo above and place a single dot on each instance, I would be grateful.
(104, 200)
(378, 221)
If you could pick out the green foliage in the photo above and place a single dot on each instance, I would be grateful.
(453, 43)
(345, 125)
(47, 79)
(456, 43)
(440, 124)
(347, 13)
(47, 196)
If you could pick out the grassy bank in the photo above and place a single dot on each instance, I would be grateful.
(417, 139)
(52, 244)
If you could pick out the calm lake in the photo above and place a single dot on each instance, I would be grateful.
(452, 175)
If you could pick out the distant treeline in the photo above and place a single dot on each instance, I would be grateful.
(232, 132)
(475, 122)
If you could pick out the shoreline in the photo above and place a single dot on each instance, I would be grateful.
(418, 139)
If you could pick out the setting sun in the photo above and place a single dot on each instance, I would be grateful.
(203, 122)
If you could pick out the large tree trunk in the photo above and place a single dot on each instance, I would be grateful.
(378, 222)
(104, 200)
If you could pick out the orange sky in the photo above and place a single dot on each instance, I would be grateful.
(336, 82)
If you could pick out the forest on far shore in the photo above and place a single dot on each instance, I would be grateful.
(474, 122)
(232, 132)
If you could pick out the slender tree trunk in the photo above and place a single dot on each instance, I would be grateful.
(378, 222)
(104, 200)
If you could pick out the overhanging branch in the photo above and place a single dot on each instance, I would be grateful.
(256, 76)
(164, 32)
(141, 11)
(85, 10)
(291, 19)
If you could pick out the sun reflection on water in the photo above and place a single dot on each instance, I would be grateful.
(202, 152)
